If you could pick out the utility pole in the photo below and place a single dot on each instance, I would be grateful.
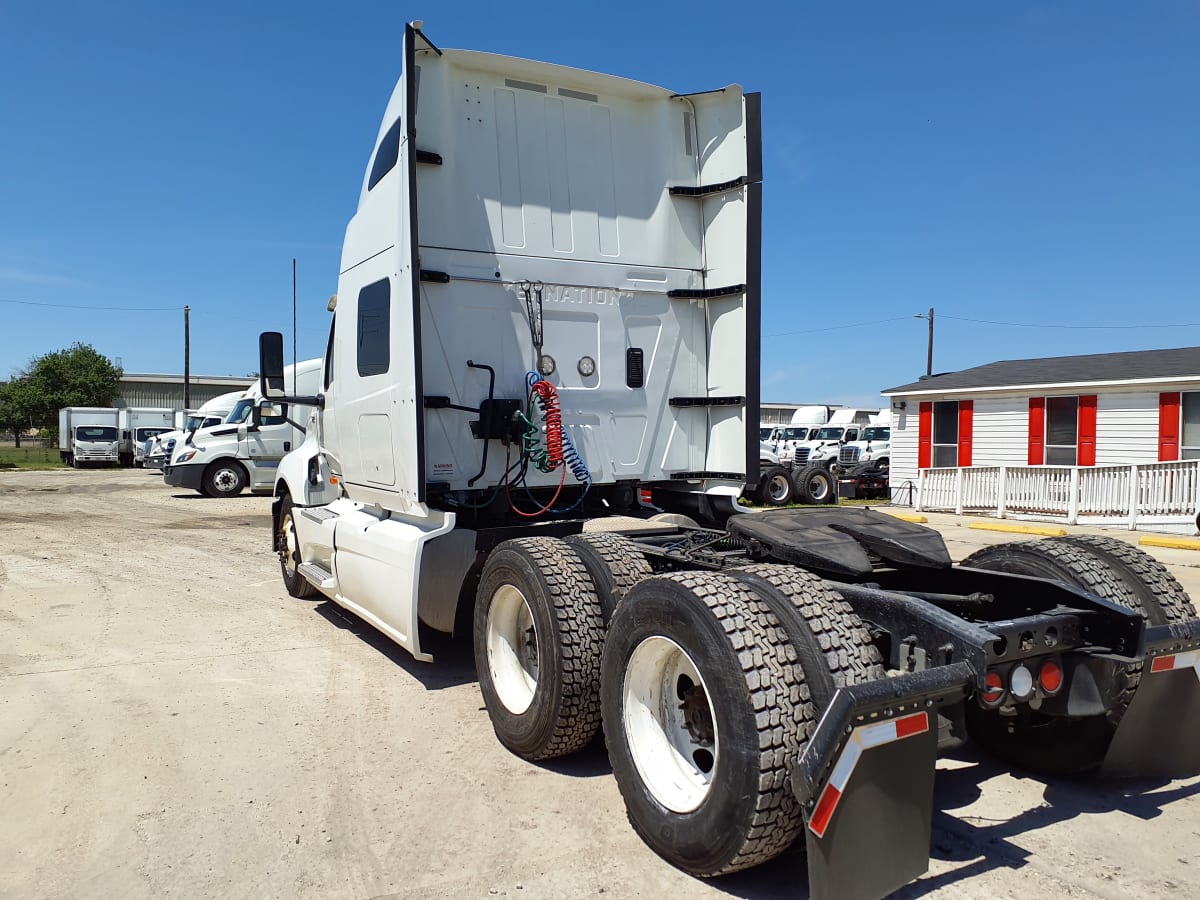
(929, 353)
(187, 358)
(295, 390)
(929, 356)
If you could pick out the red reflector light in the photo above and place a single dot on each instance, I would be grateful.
(645, 496)
(1050, 677)
(995, 689)
(1163, 664)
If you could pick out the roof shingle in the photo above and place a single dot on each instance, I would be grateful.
(1182, 362)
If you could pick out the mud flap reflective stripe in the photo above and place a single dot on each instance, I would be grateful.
(866, 782)
(873, 836)
(863, 738)
(1159, 735)
(1190, 660)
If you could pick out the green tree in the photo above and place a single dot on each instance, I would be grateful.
(77, 376)
(14, 407)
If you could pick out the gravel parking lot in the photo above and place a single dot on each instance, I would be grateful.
(173, 724)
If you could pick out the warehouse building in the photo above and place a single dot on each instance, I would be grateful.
(142, 389)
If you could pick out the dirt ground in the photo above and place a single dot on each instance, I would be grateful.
(173, 724)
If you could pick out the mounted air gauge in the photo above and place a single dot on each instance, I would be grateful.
(587, 366)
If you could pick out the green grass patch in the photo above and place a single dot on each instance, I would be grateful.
(29, 458)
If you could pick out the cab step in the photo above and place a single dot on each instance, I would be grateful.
(317, 575)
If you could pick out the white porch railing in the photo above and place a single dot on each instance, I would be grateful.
(1150, 494)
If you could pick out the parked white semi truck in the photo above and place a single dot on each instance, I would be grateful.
(158, 453)
(137, 425)
(88, 435)
(245, 449)
(547, 318)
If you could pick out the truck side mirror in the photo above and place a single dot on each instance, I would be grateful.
(270, 364)
(265, 409)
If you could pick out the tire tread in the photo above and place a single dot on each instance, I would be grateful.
(580, 626)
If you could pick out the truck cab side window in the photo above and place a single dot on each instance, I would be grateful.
(279, 419)
(328, 380)
(386, 155)
(374, 325)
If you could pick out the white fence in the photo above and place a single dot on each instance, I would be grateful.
(1154, 496)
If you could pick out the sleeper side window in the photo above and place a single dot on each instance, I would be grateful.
(386, 155)
(374, 321)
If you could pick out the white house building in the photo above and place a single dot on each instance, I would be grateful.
(1003, 422)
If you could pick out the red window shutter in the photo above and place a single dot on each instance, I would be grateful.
(925, 437)
(1037, 431)
(1087, 430)
(966, 419)
(1168, 426)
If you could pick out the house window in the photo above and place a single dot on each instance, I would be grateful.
(1190, 425)
(1062, 431)
(945, 434)
(945, 439)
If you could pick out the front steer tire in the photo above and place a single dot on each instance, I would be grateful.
(539, 633)
(704, 711)
(224, 478)
(287, 544)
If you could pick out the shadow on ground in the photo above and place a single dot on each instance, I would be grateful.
(454, 663)
(979, 845)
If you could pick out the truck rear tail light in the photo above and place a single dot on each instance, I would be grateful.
(1050, 677)
(1020, 683)
(995, 690)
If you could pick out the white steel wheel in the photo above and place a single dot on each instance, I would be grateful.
(669, 724)
(512, 649)
(700, 732)
(539, 632)
(776, 487)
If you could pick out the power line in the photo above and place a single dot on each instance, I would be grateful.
(79, 306)
(1087, 327)
(838, 327)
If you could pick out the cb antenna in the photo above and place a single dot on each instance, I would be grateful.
(293, 327)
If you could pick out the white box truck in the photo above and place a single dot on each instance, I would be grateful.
(244, 450)
(88, 435)
(137, 425)
(547, 319)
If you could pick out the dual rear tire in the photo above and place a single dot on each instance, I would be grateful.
(708, 684)
(1112, 570)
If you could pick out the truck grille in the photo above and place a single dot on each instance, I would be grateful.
(802, 454)
(848, 455)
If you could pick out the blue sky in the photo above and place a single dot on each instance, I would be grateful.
(1026, 163)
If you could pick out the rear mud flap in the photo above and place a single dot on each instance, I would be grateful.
(1159, 735)
(866, 783)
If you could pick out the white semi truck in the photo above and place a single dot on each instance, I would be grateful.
(137, 425)
(88, 435)
(158, 452)
(546, 329)
(873, 447)
(244, 450)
